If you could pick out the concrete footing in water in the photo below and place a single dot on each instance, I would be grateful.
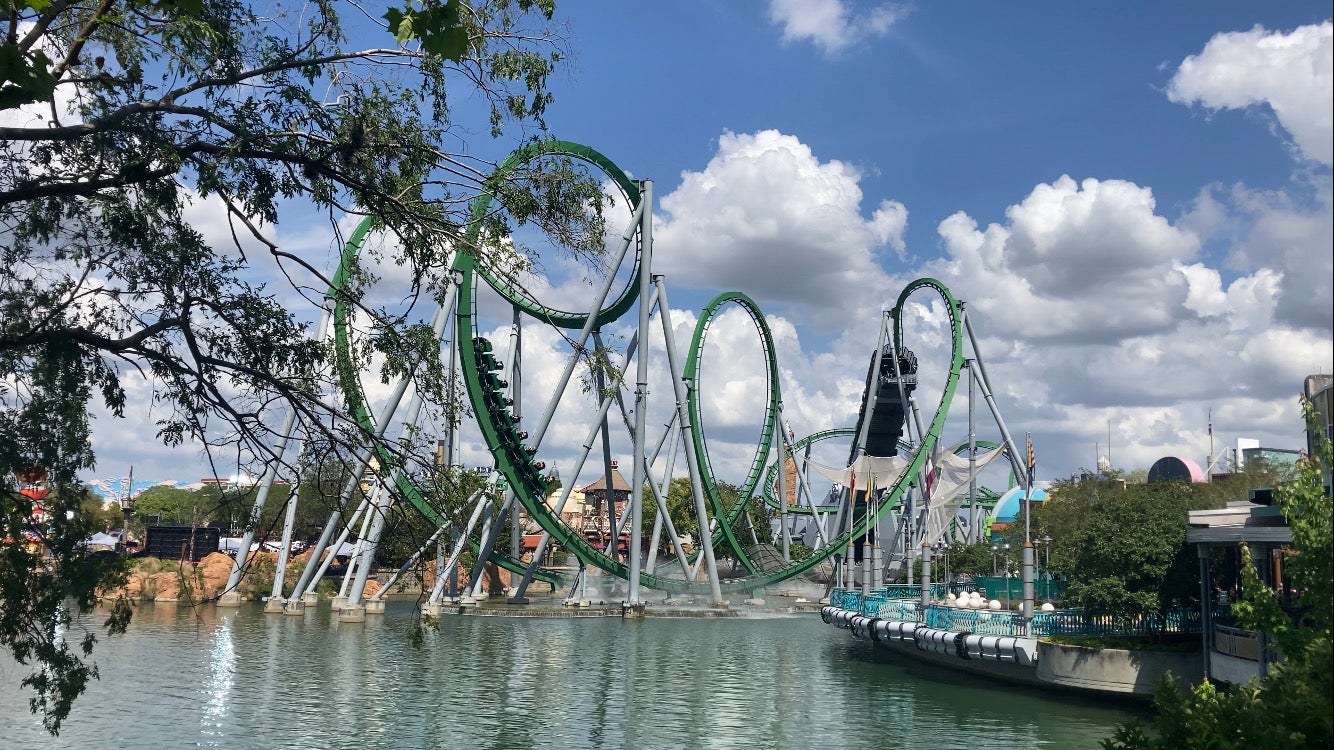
(348, 613)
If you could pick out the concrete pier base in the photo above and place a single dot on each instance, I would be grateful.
(275, 605)
(230, 599)
(311, 598)
(352, 614)
(632, 611)
(374, 606)
(294, 607)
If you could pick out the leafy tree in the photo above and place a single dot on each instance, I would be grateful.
(681, 508)
(92, 508)
(174, 506)
(406, 530)
(42, 589)
(1120, 544)
(116, 117)
(973, 559)
(1130, 558)
(1293, 705)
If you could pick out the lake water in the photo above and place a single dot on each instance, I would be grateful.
(237, 678)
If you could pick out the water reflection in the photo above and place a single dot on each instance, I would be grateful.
(217, 687)
(242, 679)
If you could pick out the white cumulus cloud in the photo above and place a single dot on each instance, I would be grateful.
(1293, 73)
(768, 217)
(832, 25)
(1087, 261)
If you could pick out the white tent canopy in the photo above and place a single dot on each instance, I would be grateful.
(101, 541)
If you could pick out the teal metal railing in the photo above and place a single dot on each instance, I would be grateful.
(985, 622)
(900, 610)
(846, 599)
(1076, 622)
(883, 605)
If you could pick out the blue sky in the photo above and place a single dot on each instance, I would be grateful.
(1133, 199)
(954, 107)
(982, 114)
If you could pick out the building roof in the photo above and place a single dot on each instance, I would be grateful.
(618, 483)
(1008, 506)
(1238, 522)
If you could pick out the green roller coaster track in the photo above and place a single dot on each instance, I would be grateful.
(505, 442)
(729, 518)
(356, 402)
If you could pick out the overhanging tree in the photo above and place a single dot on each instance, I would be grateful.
(116, 116)
(1293, 704)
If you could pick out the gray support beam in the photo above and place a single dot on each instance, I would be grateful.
(974, 523)
(355, 563)
(230, 596)
(926, 577)
(406, 566)
(276, 600)
(366, 560)
(692, 460)
(1016, 461)
(669, 433)
(490, 534)
(640, 473)
(315, 566)
(447, 569)
(516, 393)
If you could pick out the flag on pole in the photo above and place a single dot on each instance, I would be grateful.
(1032, 460)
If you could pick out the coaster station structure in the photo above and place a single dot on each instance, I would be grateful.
(498, 388)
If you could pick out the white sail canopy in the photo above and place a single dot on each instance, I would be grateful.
(882, 471)
(946, 494)
(949, 478)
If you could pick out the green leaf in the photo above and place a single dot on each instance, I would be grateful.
(181, 7)
(439, 28)
(400, 24)
(23, 82)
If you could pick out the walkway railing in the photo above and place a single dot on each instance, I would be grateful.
(879, 604)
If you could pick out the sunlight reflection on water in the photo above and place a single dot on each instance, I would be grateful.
(217, 687)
